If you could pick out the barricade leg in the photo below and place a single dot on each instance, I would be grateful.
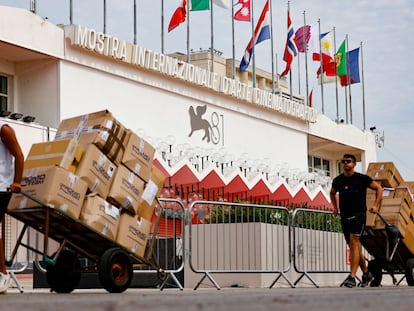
(281, 274)
(206, 274)
(171, 275)
(16, 281)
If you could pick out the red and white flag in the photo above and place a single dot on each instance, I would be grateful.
(178, 16)
(291, 49)
(244, 13)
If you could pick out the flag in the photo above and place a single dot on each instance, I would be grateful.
(225, 4)
(341, 60)
(178, 16)
(326, 48)
(261, 33)
(353, 66)
(291, 49)
(313, 43)
(243, 14)
(302, 36)
(200, 5)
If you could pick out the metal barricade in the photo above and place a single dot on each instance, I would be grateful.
(238, 238)
(168, 246)
(318, 245)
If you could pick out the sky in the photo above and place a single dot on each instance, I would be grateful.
(382, 28)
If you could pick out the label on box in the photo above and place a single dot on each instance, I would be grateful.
(150, 192)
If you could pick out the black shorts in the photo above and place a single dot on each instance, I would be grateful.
(4, 202)
(353, 225)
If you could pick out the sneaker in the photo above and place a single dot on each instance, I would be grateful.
(366, 279)
(349, 282)
(4, 282)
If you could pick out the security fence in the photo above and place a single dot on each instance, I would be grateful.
(238, 238)
(217, 241)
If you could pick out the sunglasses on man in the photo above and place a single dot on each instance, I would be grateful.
(346, 161)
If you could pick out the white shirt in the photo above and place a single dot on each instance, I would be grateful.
(6, 165)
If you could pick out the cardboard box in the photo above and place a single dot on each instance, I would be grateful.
(138, 156)
(386, 173)
(395, 219)
(97, 170)
(409, 184)
(151, 191)
(395, 205)
(404, 192)
(133, 233)
(54, 186)
(100, 215)
(370, 200)
(126, 189)
(408, 239)
(65, 153)
(99, 128)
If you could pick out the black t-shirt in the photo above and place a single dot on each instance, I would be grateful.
(352, 193)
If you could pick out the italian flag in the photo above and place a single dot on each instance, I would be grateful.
(200, 5)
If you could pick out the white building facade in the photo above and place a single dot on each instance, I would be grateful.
(186, 111)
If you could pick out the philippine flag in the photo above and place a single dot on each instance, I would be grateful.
(261, 33)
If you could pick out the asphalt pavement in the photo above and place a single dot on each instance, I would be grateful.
(390, 298)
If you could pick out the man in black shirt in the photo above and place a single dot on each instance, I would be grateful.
(352, 189)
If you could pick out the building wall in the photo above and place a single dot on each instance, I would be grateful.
(163, 112)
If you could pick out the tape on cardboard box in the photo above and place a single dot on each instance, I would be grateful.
(99, 128)
(126, 189)
(100, 215)
(97, 170)
(65, 153)
(138, 155)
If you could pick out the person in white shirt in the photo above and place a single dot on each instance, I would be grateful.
(11, 171)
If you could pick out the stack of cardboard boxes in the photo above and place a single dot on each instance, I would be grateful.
(397, 206)
(99, 172)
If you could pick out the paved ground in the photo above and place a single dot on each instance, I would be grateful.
(388, 298)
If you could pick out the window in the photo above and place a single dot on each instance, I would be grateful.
(319, 165)
(3, 93)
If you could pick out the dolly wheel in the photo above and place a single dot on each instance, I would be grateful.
(64, 275)
(115, 270)
(409, 271)
(375, 267)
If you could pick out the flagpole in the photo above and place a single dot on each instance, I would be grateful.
(188, 31)
(336, 79)
(306, 58)
(271, 46)
(211, 36)
(33, 6)
(135, 22)
(104, 16)
(290, 71)
(71, 12)
(321, 63)
(253, 44)
(346, 90)
(162, 26)
(299, 74)
(233, 61)
(348, 79)
(363, 88)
